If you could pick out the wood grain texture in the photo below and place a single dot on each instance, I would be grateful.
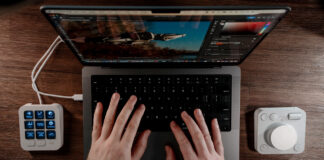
(286, 69)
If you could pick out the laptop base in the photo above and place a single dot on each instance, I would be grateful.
(157, 140)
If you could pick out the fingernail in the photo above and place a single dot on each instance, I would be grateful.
(167, 148)
(184, 113)
(148, 132)
(143, 106)
(133, 97)
(216, 121)
(114, 95)
(199, 112)
(133, 100)
(172, 124)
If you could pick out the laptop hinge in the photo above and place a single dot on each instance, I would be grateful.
(152, 67)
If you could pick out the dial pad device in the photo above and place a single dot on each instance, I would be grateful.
(279, 130)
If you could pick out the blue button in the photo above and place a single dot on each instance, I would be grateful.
(29, 135)
(50, 114)
(40, 134)
(50, 124)
(29, 125)
(28, 114)
(40, 124)
(50, 134)
(39, 114)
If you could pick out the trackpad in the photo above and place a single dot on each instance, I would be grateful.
(155, 146)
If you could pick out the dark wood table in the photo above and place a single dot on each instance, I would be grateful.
(286, 69)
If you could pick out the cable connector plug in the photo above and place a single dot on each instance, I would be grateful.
(77, 97)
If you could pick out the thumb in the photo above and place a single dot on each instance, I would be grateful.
(169, 153)
(140, 146)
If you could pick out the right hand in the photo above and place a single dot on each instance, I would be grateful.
(206, 148)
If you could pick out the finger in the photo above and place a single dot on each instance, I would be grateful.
(217, 137)
(97, 122)
(204, 129)
(123, 117)
(196, 135)
(132, 126)
(140, 146)
(184, 144)
(110, 116)
(169, 153)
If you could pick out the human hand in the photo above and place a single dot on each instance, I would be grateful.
(109, 141)
(206, 148)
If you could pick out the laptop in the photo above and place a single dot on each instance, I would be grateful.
(172, 58)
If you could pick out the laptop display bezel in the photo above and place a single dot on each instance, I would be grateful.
(161, 9)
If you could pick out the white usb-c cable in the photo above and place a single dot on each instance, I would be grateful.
(40, 65)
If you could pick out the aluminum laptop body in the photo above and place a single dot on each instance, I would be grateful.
(149, 40)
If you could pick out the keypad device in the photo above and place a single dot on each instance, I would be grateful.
(41, 127)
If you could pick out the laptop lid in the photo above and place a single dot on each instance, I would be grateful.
(162, 36)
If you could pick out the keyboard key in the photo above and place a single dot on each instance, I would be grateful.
(50, 124)
(29, 124)
(205, 98)
(50, 114)
(215, 99)
(40, 134)
(28, 114)
(226, 100)
(40, 124)
(51, 134)
(39, 114)
(29, 134)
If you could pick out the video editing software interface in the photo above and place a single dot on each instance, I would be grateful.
(128, 36)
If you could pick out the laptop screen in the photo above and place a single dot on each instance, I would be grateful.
(145, 36)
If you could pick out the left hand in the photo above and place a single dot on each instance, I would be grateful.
(110, 141)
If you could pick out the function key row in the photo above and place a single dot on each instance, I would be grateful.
(39, 114)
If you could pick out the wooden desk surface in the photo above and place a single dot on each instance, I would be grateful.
(286, 69)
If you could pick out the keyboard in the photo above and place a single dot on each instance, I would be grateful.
(166, 96)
